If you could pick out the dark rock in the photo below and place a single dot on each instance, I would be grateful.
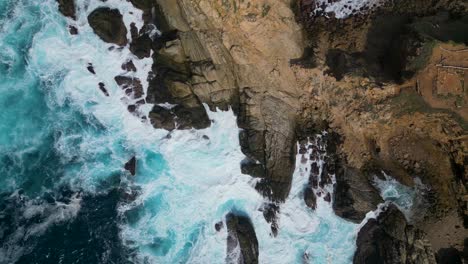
(103, 89)
(354, 195)
(146, 6)
(449, 256)
(141, 42)
(310, 198)
(131, 166)
(389, 239)
(219, 226)
(327, 197)
(241, 233)
(130, 85)
(141, 46)
(131, 108)
(206, 137)
(191, 117)
(133, 31)
(108, 25)
(252, 168)
(67, 8)
(189, 112)
(161, 117)
(73, 30)
(270, 211)
(129, 66)
(90, 68)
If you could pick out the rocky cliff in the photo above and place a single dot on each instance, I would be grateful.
(389, 78)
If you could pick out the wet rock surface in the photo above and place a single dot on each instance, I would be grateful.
(354, 195)
(108, 24)
(132, 86)
(242, 244)
(131, 166)
(389, 239)
(67, 8)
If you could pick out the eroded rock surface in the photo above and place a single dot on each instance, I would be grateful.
(108, 25)
(389, 239)
(209, 51)
(392, 88)
(354, 195)
(242, 244)
(67, 8)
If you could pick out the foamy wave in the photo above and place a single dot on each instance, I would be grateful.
(344, 8)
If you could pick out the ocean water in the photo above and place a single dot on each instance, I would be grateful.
(64, 194)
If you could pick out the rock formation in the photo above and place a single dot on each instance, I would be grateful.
(131, 166)
(205, 53)
(389, 239)
(365, 76)
(385, 79)
(242, 244)
(108, 25)
(67, 8)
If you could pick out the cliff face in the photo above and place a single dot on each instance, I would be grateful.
(391, 81)
(376, 78)
(236, 54)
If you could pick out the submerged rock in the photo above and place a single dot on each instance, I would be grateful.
(131, 166)
(390, 239)
(241, 237)
(108, 25)
(103, 89)
(90, 68)
(73, 30)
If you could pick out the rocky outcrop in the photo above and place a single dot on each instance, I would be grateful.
(389, 239)
(108, 25)
(242, 244)
(389, 41)
(67, 8)
(204, 52)
(384, 81)
(354, 196)
(131, 166)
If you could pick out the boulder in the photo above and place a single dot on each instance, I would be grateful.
(241, 237)
(354, 195)
(132, 86)
(129, 66)
(108, 24)
(67, 8)
(309, 198)
(390, 239)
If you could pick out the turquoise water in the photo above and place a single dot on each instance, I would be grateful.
(64, 195)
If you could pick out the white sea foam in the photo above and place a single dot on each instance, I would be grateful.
(345, 8)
